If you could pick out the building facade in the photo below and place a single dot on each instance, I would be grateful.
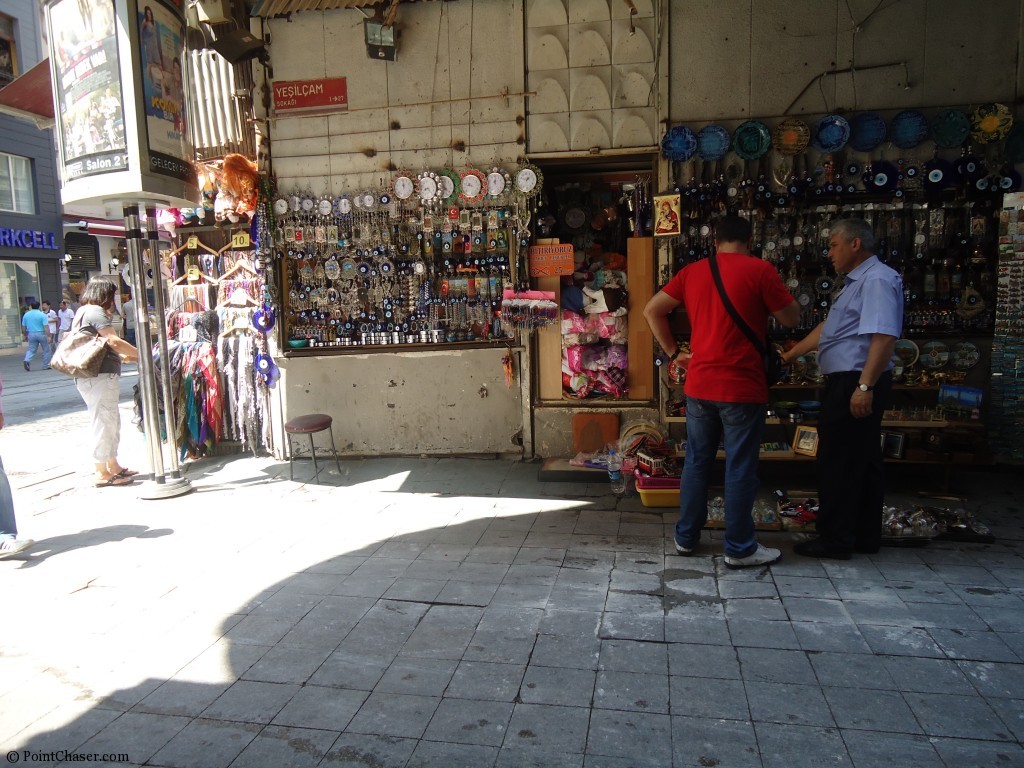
(31, 231)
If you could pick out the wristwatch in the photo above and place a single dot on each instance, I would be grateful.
(865, 387)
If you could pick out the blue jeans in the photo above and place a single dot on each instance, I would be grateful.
(741, 425)
(38, 341)
(8, 525)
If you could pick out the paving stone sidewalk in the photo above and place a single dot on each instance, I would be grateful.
(457, 612)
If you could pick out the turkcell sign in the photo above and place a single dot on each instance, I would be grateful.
(27, 238)
(324, 95)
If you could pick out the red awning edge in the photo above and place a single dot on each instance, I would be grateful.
(30, 96)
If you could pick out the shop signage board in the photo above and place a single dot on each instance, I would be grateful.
(27, 238)
(551, 260)
(119, 97)
(328, 94)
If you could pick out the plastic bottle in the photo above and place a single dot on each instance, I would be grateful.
(616, 480)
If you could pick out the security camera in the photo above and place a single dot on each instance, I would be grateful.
(83, 225)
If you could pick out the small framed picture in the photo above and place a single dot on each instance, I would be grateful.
(805, 441)
(666, 215)
(893, 443)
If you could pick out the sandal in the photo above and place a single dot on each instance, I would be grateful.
(126, 473)
(115, 481)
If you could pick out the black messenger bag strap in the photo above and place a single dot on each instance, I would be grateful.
(740, 322)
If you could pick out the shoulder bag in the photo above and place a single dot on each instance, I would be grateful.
(80, 353)
(773, 365)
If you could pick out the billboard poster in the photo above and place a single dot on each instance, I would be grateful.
(162, 45)
(91, 109)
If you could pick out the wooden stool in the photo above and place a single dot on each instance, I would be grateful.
(309, 424)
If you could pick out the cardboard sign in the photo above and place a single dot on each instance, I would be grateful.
(551, 260)
(329, 94)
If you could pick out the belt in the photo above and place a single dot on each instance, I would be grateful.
(841, 375)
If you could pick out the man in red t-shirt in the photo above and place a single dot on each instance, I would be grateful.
(726, 390)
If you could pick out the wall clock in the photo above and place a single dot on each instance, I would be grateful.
(529, 180)
(427, 187)
(448, 186)
(472, 186)
(404, 187)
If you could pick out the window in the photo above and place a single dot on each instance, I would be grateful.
(8, 54)
(16, 193)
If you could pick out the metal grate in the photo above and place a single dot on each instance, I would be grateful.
(221, 106)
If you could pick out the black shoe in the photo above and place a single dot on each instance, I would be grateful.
(818, 548)
(866, 549)
(25, 363)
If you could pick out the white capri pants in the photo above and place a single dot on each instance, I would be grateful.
(101, 395)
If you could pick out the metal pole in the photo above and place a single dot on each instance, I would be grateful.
(170, 419)
(159, 488)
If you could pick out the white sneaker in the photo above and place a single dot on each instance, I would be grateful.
(763, 556)
(10, 547)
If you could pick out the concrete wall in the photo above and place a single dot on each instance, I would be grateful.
(408, 403)
(741, 59)
(455, 60)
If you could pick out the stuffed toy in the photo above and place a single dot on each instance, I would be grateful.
(241, 179)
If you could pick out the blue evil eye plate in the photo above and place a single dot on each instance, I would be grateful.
(831, 134)
(712, 142)
(908, 129)
(678, 144)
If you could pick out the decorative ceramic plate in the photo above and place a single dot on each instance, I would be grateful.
(950, 128)
(907, 352)
(831, 133)
(712, 142)
(991, 122)
(934, 354)
(678, 144)
(791, 137)
(908, 129)
(867, 131)
(965, 356)
(751, 140)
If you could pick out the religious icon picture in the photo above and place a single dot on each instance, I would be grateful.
(805, 441)
(666, 215)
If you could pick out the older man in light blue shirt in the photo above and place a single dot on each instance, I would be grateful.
(855, 345)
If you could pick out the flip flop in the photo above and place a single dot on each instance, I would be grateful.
(115, 481)
(126, 473)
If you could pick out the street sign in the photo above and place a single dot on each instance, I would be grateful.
(328, 94)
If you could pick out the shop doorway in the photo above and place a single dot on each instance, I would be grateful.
(600, 352)
(19, 287)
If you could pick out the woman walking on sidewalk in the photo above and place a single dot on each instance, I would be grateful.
(101, 392)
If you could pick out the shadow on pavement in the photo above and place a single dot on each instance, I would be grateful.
(46, 548)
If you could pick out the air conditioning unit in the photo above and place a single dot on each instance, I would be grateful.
(213, 11)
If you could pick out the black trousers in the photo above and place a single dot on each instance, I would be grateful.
(851, 475)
